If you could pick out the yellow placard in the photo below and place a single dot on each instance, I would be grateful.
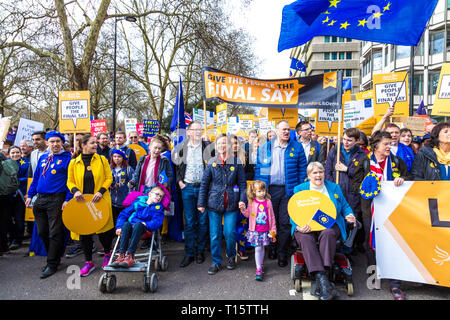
(327, 119)
(221, 119)
(29, 216)
(387, 87)
(138, 150)
(303, 206)
(277, 114)
(74, 112)
(441, 105)
(86, 217)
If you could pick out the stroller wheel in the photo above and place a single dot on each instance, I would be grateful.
(153, 283)
(157, 265)
(350, 289)
(146, 284)
(298, 285)
(164, 264)
(111, 284)
(102, 283)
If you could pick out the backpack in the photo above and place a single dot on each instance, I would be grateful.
(9, 181)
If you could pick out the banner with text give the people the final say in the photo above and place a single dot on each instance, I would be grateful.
(321, 91)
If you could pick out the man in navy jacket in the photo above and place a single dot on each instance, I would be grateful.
(281, 164)
(50, 186)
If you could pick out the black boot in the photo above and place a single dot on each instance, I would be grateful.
(327, 292)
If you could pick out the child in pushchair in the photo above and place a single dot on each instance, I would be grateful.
(145, 213)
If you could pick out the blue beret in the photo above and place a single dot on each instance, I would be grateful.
(120, 152)
(370, 187)
(54, 133)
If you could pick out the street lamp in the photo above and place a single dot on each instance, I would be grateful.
(129, 19)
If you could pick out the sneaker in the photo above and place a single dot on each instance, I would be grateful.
(128, 262)
(243, 255)
(259, 276)
(87, 269)
(231, 264)
(100, 252)
(75, 251)
(214, 269)
(106, 259)
(116, 263)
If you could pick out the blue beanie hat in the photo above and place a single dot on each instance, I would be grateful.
(54, 133)
(120, 152)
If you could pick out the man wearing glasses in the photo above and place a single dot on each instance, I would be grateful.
(133, 138)
(311, 148)
(190, 163)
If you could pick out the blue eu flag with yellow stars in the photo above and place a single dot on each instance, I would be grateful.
(163, 177)
(323, 219)
(370, 186)
(399, 22)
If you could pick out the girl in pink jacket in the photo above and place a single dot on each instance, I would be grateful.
(262, 226)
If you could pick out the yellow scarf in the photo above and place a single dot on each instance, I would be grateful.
(442, 157)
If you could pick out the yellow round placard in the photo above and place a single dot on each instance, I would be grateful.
(138, 150)
(86, 217)
(303, 206)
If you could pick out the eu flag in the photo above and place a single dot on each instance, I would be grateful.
(323, 219)
(163, 177)
(178, 123)
(297, 65)
(399, 22)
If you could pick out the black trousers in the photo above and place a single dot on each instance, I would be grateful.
(4, 222)
(17, 219)
(280, 203)
(48, 217)
(87, 243)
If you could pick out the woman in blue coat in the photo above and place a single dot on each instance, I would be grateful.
(222, 189)
(319, 259)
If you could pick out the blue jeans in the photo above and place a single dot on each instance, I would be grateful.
(229, 231)
(134, 232)
(196, 223)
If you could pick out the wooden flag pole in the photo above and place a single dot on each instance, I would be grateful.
(340, 110)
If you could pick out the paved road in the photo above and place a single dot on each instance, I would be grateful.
(19, 279)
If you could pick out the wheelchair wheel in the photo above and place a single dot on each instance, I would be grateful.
(102, 283)
(292, 267)
(164, 265)
(350, 289)
(153, 283)
(111, 283)
(298, 285)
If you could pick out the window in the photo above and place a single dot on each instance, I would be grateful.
(386, 55)
(367, 66)
(349, 40)
(348, 72)
(341, 55)
(341, 39)
(327, 39)
(392, 53)
(433, 82)
(418, 84)
(348, 55)
(334, 56)
(334, 39)
(419, 49)
(377, 60)
(402, 52)
(326, 56)
(437, 42)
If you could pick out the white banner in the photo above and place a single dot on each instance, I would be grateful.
(26, 129)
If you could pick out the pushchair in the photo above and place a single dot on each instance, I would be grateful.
(143, 263)
(341, 271)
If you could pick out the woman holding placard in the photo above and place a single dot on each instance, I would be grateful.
(90, 173)
(319, 259)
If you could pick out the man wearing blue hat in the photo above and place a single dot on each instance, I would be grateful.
(50, 186)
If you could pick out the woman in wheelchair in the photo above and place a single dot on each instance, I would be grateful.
(146, 213)
(319, 258)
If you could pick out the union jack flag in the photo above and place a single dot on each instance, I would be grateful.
(187, 118)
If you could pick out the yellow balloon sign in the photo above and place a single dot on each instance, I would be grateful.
(303, 206)
(138, 150)
(86, 217)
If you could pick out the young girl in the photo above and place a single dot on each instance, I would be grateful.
(262, 226)
(122, 173)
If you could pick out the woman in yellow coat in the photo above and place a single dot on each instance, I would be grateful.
(90, 173)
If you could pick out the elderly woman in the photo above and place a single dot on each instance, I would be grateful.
(387, 167)
(222, 190)
(319, 259)
(433, 160)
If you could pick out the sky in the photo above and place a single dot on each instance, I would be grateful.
(262, 20)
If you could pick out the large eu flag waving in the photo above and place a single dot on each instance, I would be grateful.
(399, 22)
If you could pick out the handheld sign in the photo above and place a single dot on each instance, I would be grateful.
(86, 217)
(138, 150)
(313, 208)
(74, 112)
